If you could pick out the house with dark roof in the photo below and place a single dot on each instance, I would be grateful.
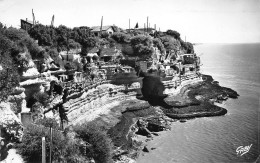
(97, 31)
(26, 24)
(109, 54)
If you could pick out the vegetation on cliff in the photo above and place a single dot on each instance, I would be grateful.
(78, 144)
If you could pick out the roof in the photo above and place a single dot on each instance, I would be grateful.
(104, 28)
(150, 29)
(27, 21)
(108, 52)
(93, 50)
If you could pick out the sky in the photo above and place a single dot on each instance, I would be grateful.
(201, 21)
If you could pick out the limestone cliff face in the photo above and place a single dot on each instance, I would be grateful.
(11, 126)
(94, 102)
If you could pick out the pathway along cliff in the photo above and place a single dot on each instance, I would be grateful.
(154, 112)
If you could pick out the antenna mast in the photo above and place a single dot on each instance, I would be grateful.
(101, 25)
(52, 21)
(33, 18)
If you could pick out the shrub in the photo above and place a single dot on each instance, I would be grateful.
(15, 34)
(42, 98)
(158, 43)
(73, 44)
(32, 47)
(65, 146)
(121, 37)
(100, 146)
(9, 77)
(170, 43)
(142, 45)
(190, 48)
(48, 122)
(104, 35)
(5, 43)
(30, 147)
(175, 34)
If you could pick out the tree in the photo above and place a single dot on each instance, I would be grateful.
(158, 43)
(121, 37)
(88, 44)
(15, 34)
(190, 49)
(99, 145)
(45, 35)
(62, 37)
(66, 147)
(30, 149)
(170, 43)
(5, 43)
(32, 47)
(9, 77)
(73, 44)
(173, 33)
(142, 46)
(80, 34)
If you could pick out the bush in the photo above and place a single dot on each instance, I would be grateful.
(30, 147)
(65, 147)
(190, 49)
(170, 43)
(99, 144)
(121, 37)
(142, 45)
(15, 34)
(5, 43)
(158, 43)
(104, 35)
(9, 77)
(48, 122)
(175, 34)
(32, 47)
(73, 44)
(42, 98)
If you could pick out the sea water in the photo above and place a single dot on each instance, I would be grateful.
(218, 139)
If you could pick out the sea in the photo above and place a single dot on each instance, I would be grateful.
(218, 139)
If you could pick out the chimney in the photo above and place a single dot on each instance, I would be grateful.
(26, 19)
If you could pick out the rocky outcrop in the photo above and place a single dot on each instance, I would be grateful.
(152, 88)
(11, 128)
(93, 100)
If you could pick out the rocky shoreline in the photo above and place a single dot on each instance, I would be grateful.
(142, 120)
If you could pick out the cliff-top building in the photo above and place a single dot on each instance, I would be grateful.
(26, 24)
(107, 29)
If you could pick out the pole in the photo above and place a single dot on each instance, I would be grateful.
(43, 150)
(147, 24)
(51, 145)
(101, 24)
(155, 26)
(180, 71)
(144, 28)
(129, 25)
(0, 137)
